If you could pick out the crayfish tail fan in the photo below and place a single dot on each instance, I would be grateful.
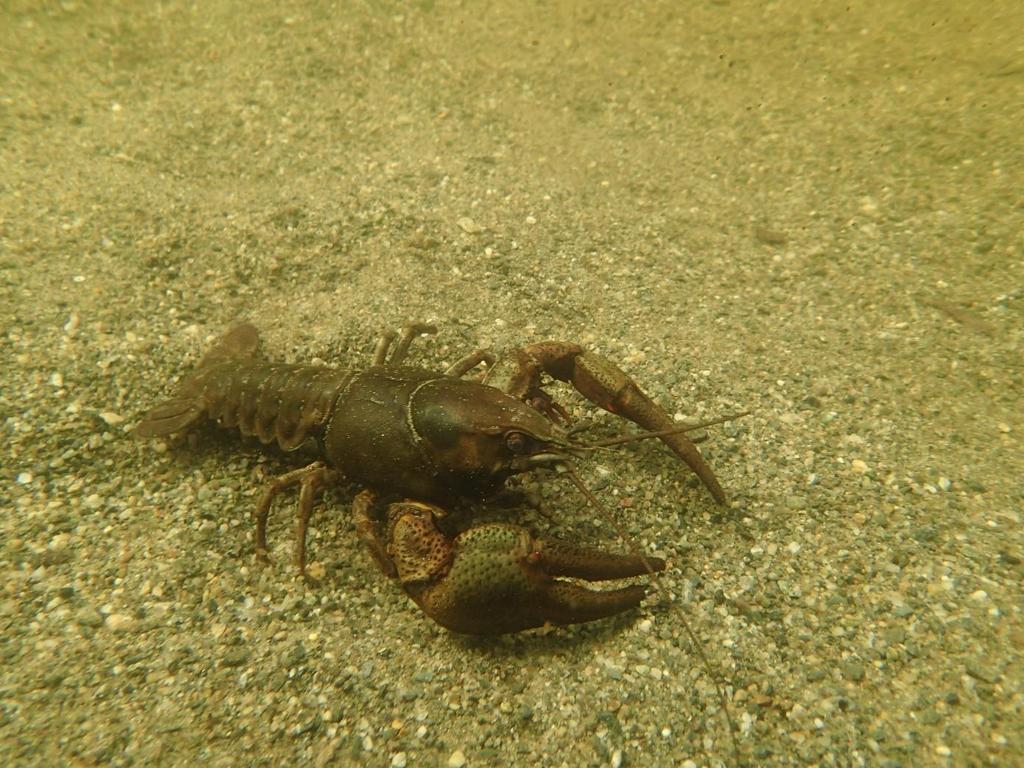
(170, 417)
(240, 344)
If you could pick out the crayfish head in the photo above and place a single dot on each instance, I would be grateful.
(478, 436)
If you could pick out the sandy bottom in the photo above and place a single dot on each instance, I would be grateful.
(810, 213)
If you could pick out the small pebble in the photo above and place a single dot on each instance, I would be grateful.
(235, 657)
(89, 617)
(457, 759)
(398, 760)
(814, 675)
(112, 419)
(858, 466)
(852, 670)
(978, 672)
(120, 622)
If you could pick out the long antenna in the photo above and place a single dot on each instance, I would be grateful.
(629, 543)
(687, 427)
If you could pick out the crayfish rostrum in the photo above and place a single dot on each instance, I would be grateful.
(419, 442)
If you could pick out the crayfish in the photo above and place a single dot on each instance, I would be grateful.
(419, 442)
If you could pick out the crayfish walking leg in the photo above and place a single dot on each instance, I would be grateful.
(309, 479)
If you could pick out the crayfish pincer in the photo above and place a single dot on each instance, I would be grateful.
(421, 441)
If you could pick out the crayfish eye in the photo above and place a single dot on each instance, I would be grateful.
(517, 442)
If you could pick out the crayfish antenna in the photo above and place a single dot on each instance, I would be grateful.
(662, 591)
(687, 427)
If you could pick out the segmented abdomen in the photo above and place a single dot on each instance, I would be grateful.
(272, 401)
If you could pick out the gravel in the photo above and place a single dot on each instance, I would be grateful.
(810, 214)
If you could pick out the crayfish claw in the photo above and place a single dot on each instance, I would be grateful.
(559, 558)
(607, 386)
(497, 578)
(567, 603)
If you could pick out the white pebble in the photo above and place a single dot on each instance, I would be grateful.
(859, 466)
(794, 548)
(617, 758)
(57, 379)
(945, 483)
(398, 760)
(24, 478)
(457, 759)
(979, 596)
(111, 418)
(120, 622)
(943, 751)
(644, 625)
